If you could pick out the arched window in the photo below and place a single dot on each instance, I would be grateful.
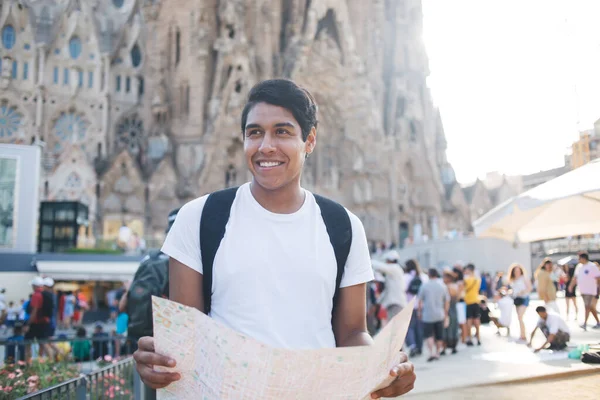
(8, 37)
(75, 47)
(136, 55)
(10, 120)
(130, 134)
(118, 3)
(69, 127)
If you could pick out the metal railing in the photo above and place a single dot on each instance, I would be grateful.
(72, 389)
(90, 367)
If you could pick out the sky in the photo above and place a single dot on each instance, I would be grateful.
(515, 80)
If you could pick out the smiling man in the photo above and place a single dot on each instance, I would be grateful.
(270, 259)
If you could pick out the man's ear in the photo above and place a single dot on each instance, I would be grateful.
(311, 141)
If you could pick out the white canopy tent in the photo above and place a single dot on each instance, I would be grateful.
(565, 206)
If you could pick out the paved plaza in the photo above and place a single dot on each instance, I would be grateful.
(582, 387)
(499, 359)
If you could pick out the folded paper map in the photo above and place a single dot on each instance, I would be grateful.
(218, 363)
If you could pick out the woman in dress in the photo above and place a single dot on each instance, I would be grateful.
(545, 286)
(521, 287)
(69, 309)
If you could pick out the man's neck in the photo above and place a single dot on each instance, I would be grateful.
(285, 200)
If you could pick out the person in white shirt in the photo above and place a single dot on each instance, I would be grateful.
(554, 328)
(274, 273)
(393, 297)
(587, 277)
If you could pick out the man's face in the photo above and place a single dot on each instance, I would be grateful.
(543, 315)
(582, 260)
(273, 146)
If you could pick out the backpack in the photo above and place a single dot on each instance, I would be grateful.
(215, 216)
(47, 305)
(150, 279)
(415, 285)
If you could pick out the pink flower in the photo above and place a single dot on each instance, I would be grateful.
(8, 389)
(122, 381)
(21, 363)
(33, 378)
(107, 358)
(12, 376)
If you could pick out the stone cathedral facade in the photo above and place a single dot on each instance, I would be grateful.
(138, 102)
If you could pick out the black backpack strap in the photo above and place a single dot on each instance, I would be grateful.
(215, 215)
(339, 229)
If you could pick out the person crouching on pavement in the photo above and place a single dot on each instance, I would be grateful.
(554, 328)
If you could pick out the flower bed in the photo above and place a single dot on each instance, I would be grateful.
(113, 379)
(19, 379)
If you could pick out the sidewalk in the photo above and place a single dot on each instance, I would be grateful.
(499, 359)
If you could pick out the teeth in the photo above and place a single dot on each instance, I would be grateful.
(269, 164)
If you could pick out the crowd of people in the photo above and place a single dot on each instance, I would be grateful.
(453, 302)
(45, 311)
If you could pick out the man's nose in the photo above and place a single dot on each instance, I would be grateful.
(268, 144)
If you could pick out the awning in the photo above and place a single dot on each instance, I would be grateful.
(88, 270)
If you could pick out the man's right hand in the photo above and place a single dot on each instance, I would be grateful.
(145, 360)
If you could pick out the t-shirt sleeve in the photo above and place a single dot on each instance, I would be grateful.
(595, 272)
(183, 240)
(358, 266)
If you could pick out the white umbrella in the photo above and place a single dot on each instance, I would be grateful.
(565, 206)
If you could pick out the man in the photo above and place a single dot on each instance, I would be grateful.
(51, 298)
(393, 297)
(472, 284)
(39, 318)
(554, 328)
(587, 276)
(434, 303)
(274, 271)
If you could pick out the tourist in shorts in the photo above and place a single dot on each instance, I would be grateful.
(434, 303)
(587, 276)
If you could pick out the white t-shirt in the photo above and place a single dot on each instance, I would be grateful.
(394, 292)
(505, 305)
(554, 323)
(587, 275)
(274, 274)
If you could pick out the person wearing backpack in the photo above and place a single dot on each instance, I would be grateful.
(150, 279)
(414, 279)
(270, 259)
(40, 311)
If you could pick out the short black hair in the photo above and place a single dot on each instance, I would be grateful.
(540, 309)
(433, 273)
(584, 256)
(470, 266)
(287, 94)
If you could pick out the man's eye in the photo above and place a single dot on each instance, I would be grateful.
(253, 132)
(281, 132)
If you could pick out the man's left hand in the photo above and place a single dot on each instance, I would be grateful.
(404, 381)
